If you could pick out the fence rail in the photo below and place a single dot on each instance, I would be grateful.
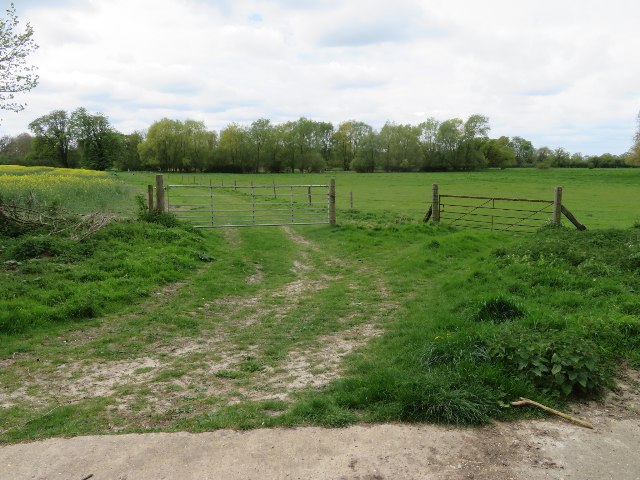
(215, 206)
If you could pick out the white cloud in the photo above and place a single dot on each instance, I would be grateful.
(558, 73)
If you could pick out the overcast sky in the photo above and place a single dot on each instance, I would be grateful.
(557, 72)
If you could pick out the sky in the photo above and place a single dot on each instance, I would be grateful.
(561, 73)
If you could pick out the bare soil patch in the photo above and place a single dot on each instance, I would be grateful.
(158, 381)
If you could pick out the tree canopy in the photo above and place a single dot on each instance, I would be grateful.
(304, 145)
(16, 74)
(634, 153)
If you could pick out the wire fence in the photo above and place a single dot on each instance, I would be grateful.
(213, 206)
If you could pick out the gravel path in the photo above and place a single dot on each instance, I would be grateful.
(525, 450)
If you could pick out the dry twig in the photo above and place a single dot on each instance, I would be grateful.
(526, 401)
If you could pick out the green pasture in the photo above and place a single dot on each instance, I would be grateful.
(599, 198)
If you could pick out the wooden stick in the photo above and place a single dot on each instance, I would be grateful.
(526, 401)
(572, 219)
(427, 215)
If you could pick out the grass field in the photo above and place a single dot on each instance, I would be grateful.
(149, 326)
(599, 198)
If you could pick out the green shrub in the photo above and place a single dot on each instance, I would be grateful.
(557, 362)
(163, 218)
(39, 246)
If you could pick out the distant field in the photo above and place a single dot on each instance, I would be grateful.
(599, 198)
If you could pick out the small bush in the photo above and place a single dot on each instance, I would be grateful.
(39, 246)
(168, 220)
(10, 228)
(162, 218)
(498, 310)
(558, 363)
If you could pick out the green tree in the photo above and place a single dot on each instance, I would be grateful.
(524, 151)
(304, 138)
(16, 75)
(346, 141)
(260, 138)
(633, 158)
(53, 138)
(324, 140)
(474, 136)
(368, 155)
(16, 150)
(450, 137)
(129, 158)
(232, 146)
(158, 150)
(99, 145)
(172, 145)
(428, 139)
(560, 158)
(197, 145)
(499, 152)
(543, 157)
(399, 147)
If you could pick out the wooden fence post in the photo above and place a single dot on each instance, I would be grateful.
(435, 203)
(332, 202)
(557, 206)
(160, 193)
(351, 200)
(150, 197)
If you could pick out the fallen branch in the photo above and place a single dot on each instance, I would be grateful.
(526, 401)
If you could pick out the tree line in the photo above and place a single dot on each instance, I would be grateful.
(83, 139)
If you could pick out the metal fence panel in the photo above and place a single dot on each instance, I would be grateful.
(216, 206)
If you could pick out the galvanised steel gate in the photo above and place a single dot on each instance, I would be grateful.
(215, 206)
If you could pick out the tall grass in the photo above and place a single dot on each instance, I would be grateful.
(72, 190)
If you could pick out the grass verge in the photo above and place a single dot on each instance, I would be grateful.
(458, 324)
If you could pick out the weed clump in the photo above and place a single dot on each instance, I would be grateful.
(558, 363)
(165, 219)
(39, 246)
(498, 310)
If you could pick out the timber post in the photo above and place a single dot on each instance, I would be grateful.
(557, 206)
(332, 202)
(435, 203)
(160, 193)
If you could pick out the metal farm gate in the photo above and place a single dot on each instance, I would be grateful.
(215, 206)
(518, 215)
(493, 213)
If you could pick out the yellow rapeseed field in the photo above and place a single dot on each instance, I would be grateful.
(71, 189)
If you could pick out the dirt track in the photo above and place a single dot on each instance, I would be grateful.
(526, 450)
